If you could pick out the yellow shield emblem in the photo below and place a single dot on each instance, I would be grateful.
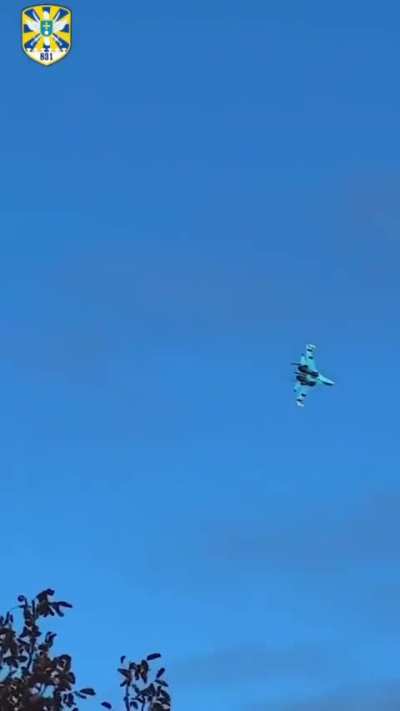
(46, 33)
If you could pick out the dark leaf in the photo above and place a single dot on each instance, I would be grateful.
(106, 705)
(160, 672)
(150, 657)
(88, 692)
(124, 673)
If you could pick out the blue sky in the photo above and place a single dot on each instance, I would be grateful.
(193, 194)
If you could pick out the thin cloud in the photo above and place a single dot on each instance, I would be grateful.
(383, 696)
(81, 311)
(367, 534)
(257, 663)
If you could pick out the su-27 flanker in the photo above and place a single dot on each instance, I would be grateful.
(307, 375)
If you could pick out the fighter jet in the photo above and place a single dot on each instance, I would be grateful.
(307, 375)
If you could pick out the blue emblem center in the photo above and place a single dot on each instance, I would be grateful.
(46, 28)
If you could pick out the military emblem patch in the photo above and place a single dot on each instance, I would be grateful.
(46, 33)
